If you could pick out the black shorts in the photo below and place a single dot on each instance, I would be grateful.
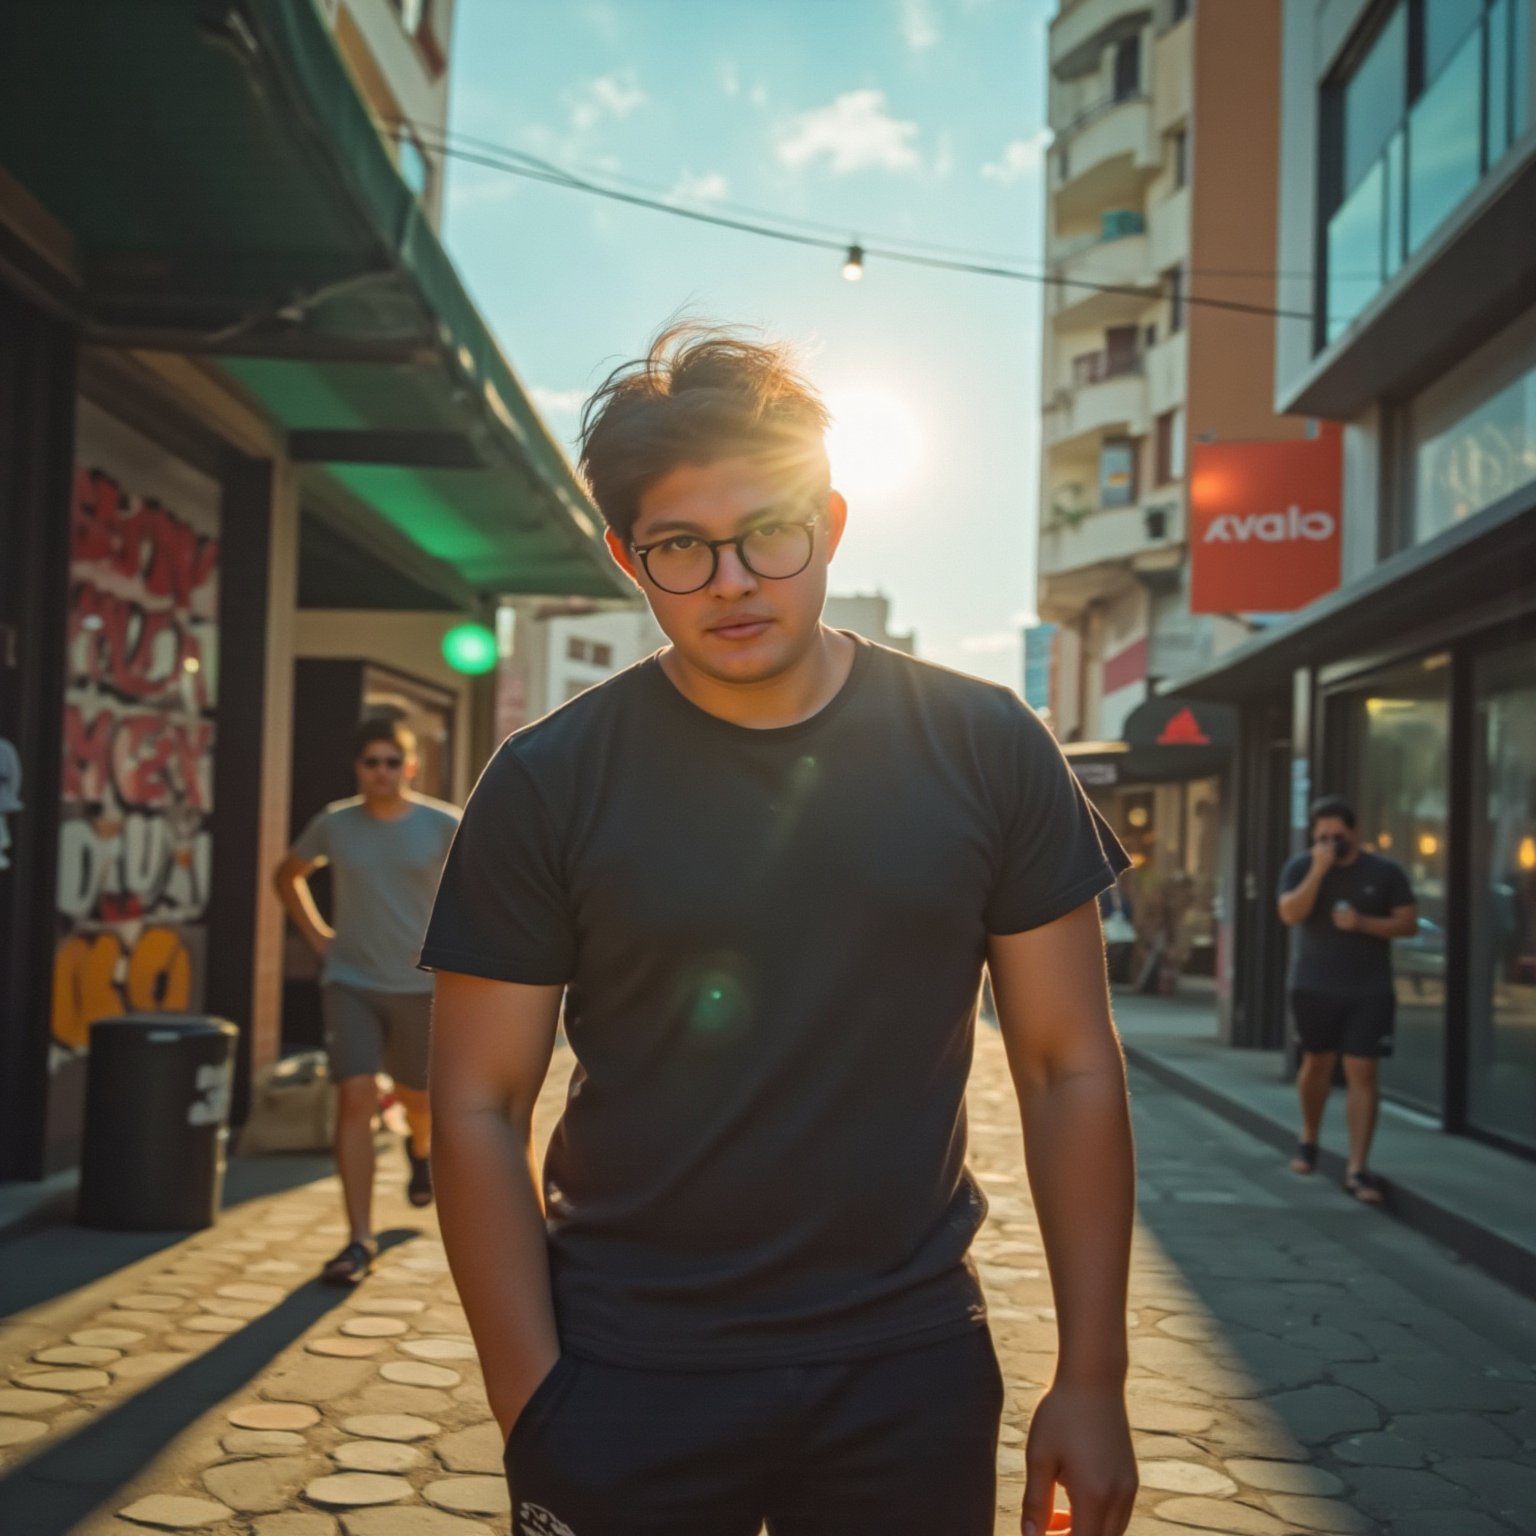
(1354, 1026)
(904, 1442)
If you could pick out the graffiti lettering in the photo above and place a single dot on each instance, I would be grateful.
(139, 539)
(148, 759)
(157, 972)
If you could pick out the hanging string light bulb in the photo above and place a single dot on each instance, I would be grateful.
(853, 267)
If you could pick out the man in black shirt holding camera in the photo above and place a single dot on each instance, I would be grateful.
(1348, 905)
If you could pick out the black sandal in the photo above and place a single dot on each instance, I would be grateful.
(1364, 1187)
(419, 1190)
(1304, 1158)
(349, 1266)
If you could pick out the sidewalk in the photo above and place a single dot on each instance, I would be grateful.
(1473, 1198)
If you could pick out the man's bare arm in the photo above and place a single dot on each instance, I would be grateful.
(1295, 906)
(1053, 1009)
(1402, 924)
(491, 1046)
(291, 881)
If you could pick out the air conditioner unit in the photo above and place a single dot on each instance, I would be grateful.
(1120, 223)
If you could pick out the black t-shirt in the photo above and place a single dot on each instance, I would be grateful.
(1327, 958)
(772, 942)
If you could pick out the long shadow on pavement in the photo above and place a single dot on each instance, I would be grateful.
(53, 1490)
(48, 1261)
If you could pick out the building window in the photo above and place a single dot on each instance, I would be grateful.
(1127, 74)
(1180, 149)
(1173, 284)
(1169, 454)
(1471, 436)
(578, 650)
(1178, 11)
(602, 655)
(1441, 91)
(1117, 472)
(415, 168)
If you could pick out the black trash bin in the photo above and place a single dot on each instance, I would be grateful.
(156, 1122)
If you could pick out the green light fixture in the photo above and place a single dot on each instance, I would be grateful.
(470, 648)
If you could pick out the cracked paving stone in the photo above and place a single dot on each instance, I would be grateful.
(1284, 1477)
(373, 1327)
(209, 1322)
(1191, 1328)
(470, 1495)
(316, 1380)
(1221, 1515)
(175, 1512)
(440, 1349)
(219, 1306)
(345, 1349)
(262, 1486)
(389, 1426)
(376, 1456)
(1329, 1515)
(106, 1338)
(62, 1380)
(402, 1305)
(1431, 1522)
(1505, 1485)
(342, 1490)
(412, 1521)
(150, 1301)
(476, 1449)
(123, 1317)
(262, 1442)
(387, 1397)
(278, 1267)
(1170, 1418)
(1187, 1477)
(20, 1431)
(1452, 1434)
(77, 1354)
(1388, 1491)
(274, 1415)
(419, 1373)
(1386, 1448)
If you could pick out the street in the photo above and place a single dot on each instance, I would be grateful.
(1299, 1363)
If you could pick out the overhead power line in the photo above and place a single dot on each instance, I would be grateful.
(531, 168)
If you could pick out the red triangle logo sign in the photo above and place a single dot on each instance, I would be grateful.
(1183, 731)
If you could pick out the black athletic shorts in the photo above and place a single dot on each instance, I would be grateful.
(897, 1443)
(1355, 1026)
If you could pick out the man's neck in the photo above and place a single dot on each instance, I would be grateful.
(387, 807)
(804, 689)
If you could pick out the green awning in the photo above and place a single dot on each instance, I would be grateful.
(227, 194)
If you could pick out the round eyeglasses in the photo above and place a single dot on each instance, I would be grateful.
(773, 550)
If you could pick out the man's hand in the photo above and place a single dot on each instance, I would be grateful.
(1080, 1438)
(1346, 919)
(1324, 854)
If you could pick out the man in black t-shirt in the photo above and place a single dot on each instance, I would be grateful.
(1347, 905)
(764, 869)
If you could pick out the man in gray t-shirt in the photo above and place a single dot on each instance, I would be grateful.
(385, 850)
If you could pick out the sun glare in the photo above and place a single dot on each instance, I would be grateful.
(875, 443)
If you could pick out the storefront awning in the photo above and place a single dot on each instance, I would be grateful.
(220, 189)
(1485, 565)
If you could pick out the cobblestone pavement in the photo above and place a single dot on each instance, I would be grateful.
(1300, 1365)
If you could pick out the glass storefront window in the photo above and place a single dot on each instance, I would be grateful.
(1444, 142)
(1375, 98)
(1398, 737)
(1445, 24)
(1355, 253)
(1496, 125)
(1502, 1004)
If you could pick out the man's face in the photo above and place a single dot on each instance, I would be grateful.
(1336, 832)
(741, 627)
(383, 768)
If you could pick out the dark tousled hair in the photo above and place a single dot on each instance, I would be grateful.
(383, 728)
(1331, 805)
(701, 393)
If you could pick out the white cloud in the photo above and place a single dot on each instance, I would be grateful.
(612, 95)
(944, 157)
(853, 133)
(1020, 157)
(758, 95)
(708, 188)
(919, 26)
(557, 402)
(730, 79)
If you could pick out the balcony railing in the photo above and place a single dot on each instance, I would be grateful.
(1096, 367)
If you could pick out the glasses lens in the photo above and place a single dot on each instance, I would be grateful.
(680, 565)
(777, 550)
(382, 762)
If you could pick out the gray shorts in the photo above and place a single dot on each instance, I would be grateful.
(367, 1032)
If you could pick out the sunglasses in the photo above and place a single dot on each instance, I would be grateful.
(383, 762)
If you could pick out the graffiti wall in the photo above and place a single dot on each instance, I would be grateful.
(135, 845)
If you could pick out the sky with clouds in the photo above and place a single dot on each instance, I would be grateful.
(919, 120)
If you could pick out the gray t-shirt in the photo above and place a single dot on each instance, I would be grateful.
(384, 876)
(772, 943)
(1327, 958)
